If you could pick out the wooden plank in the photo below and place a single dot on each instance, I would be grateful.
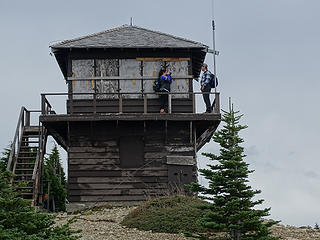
(95, 167)
(97, 161)
(117, 179)
(107, 198)
(161, 58)
(104, 155)
(87, 149)
(110, 192)
(207, 119)
(118, 173)
(179, 149)
(85, 186)
(181, 160)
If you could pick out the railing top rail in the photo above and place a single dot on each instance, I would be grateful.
(12, 148)
(127, 93)
(127, 78)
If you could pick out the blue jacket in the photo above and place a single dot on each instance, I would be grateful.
(206, 78)
(165, 82)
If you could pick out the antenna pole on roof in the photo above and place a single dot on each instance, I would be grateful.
(131, 21)
(214, 47)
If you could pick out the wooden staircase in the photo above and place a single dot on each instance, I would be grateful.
(26, 157)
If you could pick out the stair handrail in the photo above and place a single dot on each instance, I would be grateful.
(37, 170)
(14, 151)
(38, 166)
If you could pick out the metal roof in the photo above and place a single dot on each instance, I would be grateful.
(128, 36)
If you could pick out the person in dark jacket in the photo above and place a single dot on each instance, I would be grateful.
(165, 81)
(206, 87)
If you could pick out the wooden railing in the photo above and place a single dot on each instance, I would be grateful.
(23, 122)
(46, 107)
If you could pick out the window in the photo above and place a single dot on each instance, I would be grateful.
(131, 151)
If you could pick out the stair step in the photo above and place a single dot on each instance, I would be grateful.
(31, 135)
(29, 147)
(30, 141)
(19, 181)
(24, 169)
(25, 193)
(25, 163)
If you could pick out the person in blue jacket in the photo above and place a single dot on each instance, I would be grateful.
(206, 87)
(165, 82)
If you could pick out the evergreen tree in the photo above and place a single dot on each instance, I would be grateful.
(20, 221)
(232, 207)
(316, 226)
(4, 159)
(54, 174)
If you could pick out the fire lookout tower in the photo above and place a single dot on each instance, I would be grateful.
(120, 148)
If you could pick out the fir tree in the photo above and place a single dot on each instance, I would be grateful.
(232, 207)
(4, 159)
(54, 174)
(20, 221)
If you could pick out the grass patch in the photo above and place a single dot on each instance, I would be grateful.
(173, 214)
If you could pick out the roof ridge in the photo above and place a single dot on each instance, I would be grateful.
(90, 35)
(170, 35)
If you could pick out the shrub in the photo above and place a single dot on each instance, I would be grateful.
(173, 214)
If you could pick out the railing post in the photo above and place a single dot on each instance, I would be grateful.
(27, 122)
(43, 103)
(94, 102)
(217, 102)
(193, 103)
(169, 103)
(145, 103)
(120, 102)
(22, 120)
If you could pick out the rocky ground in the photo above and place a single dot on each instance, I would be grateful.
(105, 224)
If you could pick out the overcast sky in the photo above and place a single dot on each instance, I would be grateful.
(268, 65)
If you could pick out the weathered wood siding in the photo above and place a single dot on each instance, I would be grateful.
(87, 68)
(129, 106)
(95, 172)
(82, 68)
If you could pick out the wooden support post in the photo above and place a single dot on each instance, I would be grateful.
(145, 103)
(193, 103)
(166, 132)
(94, 102)
(22, 120)
(169, 103)
(27, 118)
(43, 104)
(120, 103)
(70, 96)
(190, 132)
(217, 103)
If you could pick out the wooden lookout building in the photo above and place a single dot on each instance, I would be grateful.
(120, 148)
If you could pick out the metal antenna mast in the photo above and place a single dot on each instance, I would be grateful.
(214, 48)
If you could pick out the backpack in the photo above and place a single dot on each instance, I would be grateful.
(212, 82)
(156, 85)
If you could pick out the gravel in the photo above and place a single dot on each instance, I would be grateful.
(105, 224)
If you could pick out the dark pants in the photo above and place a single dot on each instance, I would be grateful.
(164, 101)
(206, 97)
